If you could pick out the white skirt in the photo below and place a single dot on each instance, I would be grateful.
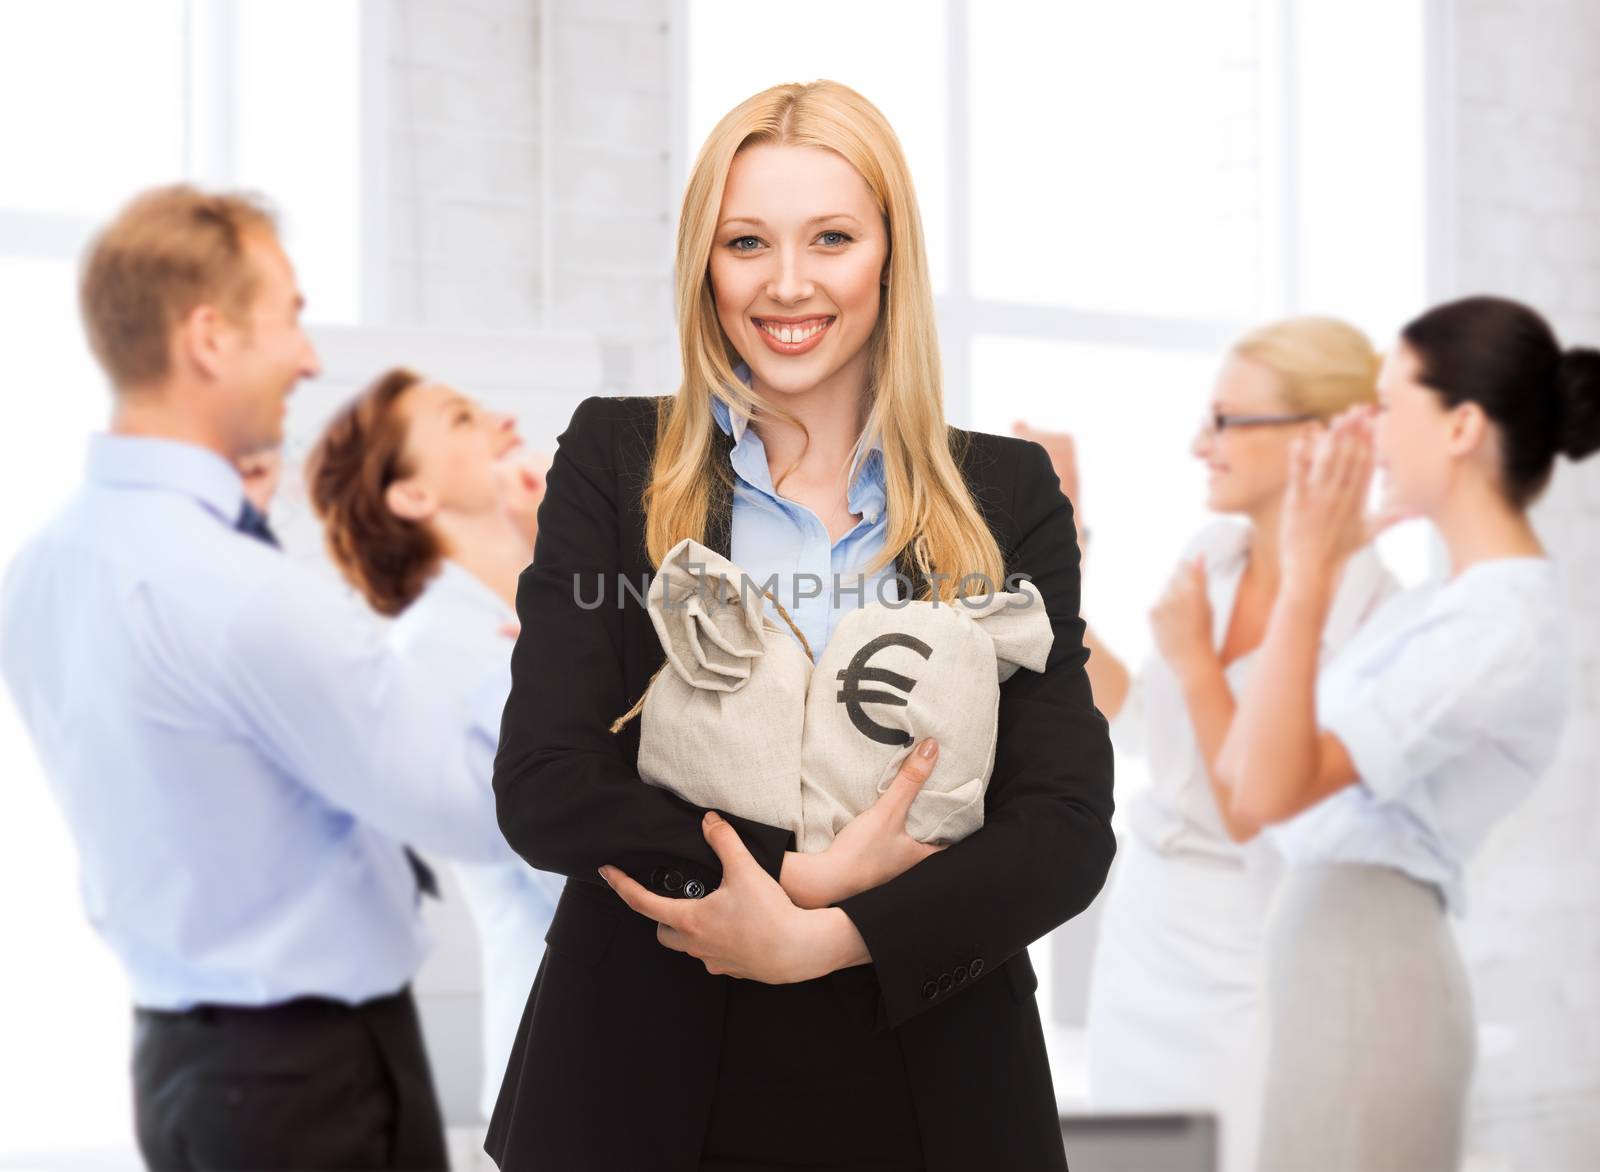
(1176, 1018)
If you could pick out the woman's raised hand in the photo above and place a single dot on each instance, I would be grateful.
(1324, 514)
(1181, 620)
(873, 849)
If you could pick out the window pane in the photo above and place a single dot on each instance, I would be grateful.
(736, 49)
(58, 396)
(1360, 162)
(1133, 414)
(92, 93)
(300, 143)
(1117, 155)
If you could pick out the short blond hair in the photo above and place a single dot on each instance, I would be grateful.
(169, 250)
(1324, 365)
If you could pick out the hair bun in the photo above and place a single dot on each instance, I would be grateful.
(1578, 385)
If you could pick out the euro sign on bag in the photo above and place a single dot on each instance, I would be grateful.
(891, 677)
(738, 718)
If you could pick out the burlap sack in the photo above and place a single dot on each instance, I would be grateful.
(889, 678)
(722, 720)
(738, 720)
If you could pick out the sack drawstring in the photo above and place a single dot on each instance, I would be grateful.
(621, 722)
(784, 615)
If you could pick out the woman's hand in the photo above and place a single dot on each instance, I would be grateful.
(747, 927)
(1180, 621)
(521, 482)
(1324, 514)
(873, 849)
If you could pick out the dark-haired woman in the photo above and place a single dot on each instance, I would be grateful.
(1433, 722)
(428, 504)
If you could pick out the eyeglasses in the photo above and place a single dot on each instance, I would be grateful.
(1216, 421)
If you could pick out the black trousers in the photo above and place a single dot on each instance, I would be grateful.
(308, 1084)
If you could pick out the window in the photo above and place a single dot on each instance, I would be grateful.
(79, 138)
(1117, 170)
(102, 99)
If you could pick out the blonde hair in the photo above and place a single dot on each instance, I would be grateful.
(170, 250)
(1323, 364)
(931, 511)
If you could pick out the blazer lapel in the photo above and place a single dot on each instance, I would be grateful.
(719, 514)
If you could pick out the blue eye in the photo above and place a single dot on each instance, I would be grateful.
(834, 239)
(739, 244)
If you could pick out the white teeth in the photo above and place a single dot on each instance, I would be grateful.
(793, 334)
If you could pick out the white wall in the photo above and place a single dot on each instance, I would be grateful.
(1524, 172)
(525, 194)
(489, 121)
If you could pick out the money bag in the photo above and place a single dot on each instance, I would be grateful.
(722, 722)
(891, 676)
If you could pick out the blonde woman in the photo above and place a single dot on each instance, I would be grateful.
(1175, 1012)
(711, 999)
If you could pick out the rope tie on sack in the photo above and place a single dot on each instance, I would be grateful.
(621, 722)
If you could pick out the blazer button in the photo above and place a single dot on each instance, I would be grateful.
(930, 991)
(961, 973)
(975, 967)
(694, 889)
(658, 877)
(672, 880)
(946, 982)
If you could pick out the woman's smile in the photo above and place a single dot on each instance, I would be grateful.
(793, 335)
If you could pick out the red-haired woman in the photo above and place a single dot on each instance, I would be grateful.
(428, 504)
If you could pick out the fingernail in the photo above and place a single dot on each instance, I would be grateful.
(929, 749)
(604, 876)
(712, 818)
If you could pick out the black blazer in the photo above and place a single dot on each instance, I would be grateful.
(616, 1057)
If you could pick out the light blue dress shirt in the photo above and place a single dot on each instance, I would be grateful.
(238, 751)
(456, 631)
(772, 534)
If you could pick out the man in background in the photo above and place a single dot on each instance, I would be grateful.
(241, 759)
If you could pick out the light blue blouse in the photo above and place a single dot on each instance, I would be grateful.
(818, 580)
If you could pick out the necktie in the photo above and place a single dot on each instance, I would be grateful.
(253, 521)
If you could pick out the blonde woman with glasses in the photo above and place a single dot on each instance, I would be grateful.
(710, 998)
(1175, 1013)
